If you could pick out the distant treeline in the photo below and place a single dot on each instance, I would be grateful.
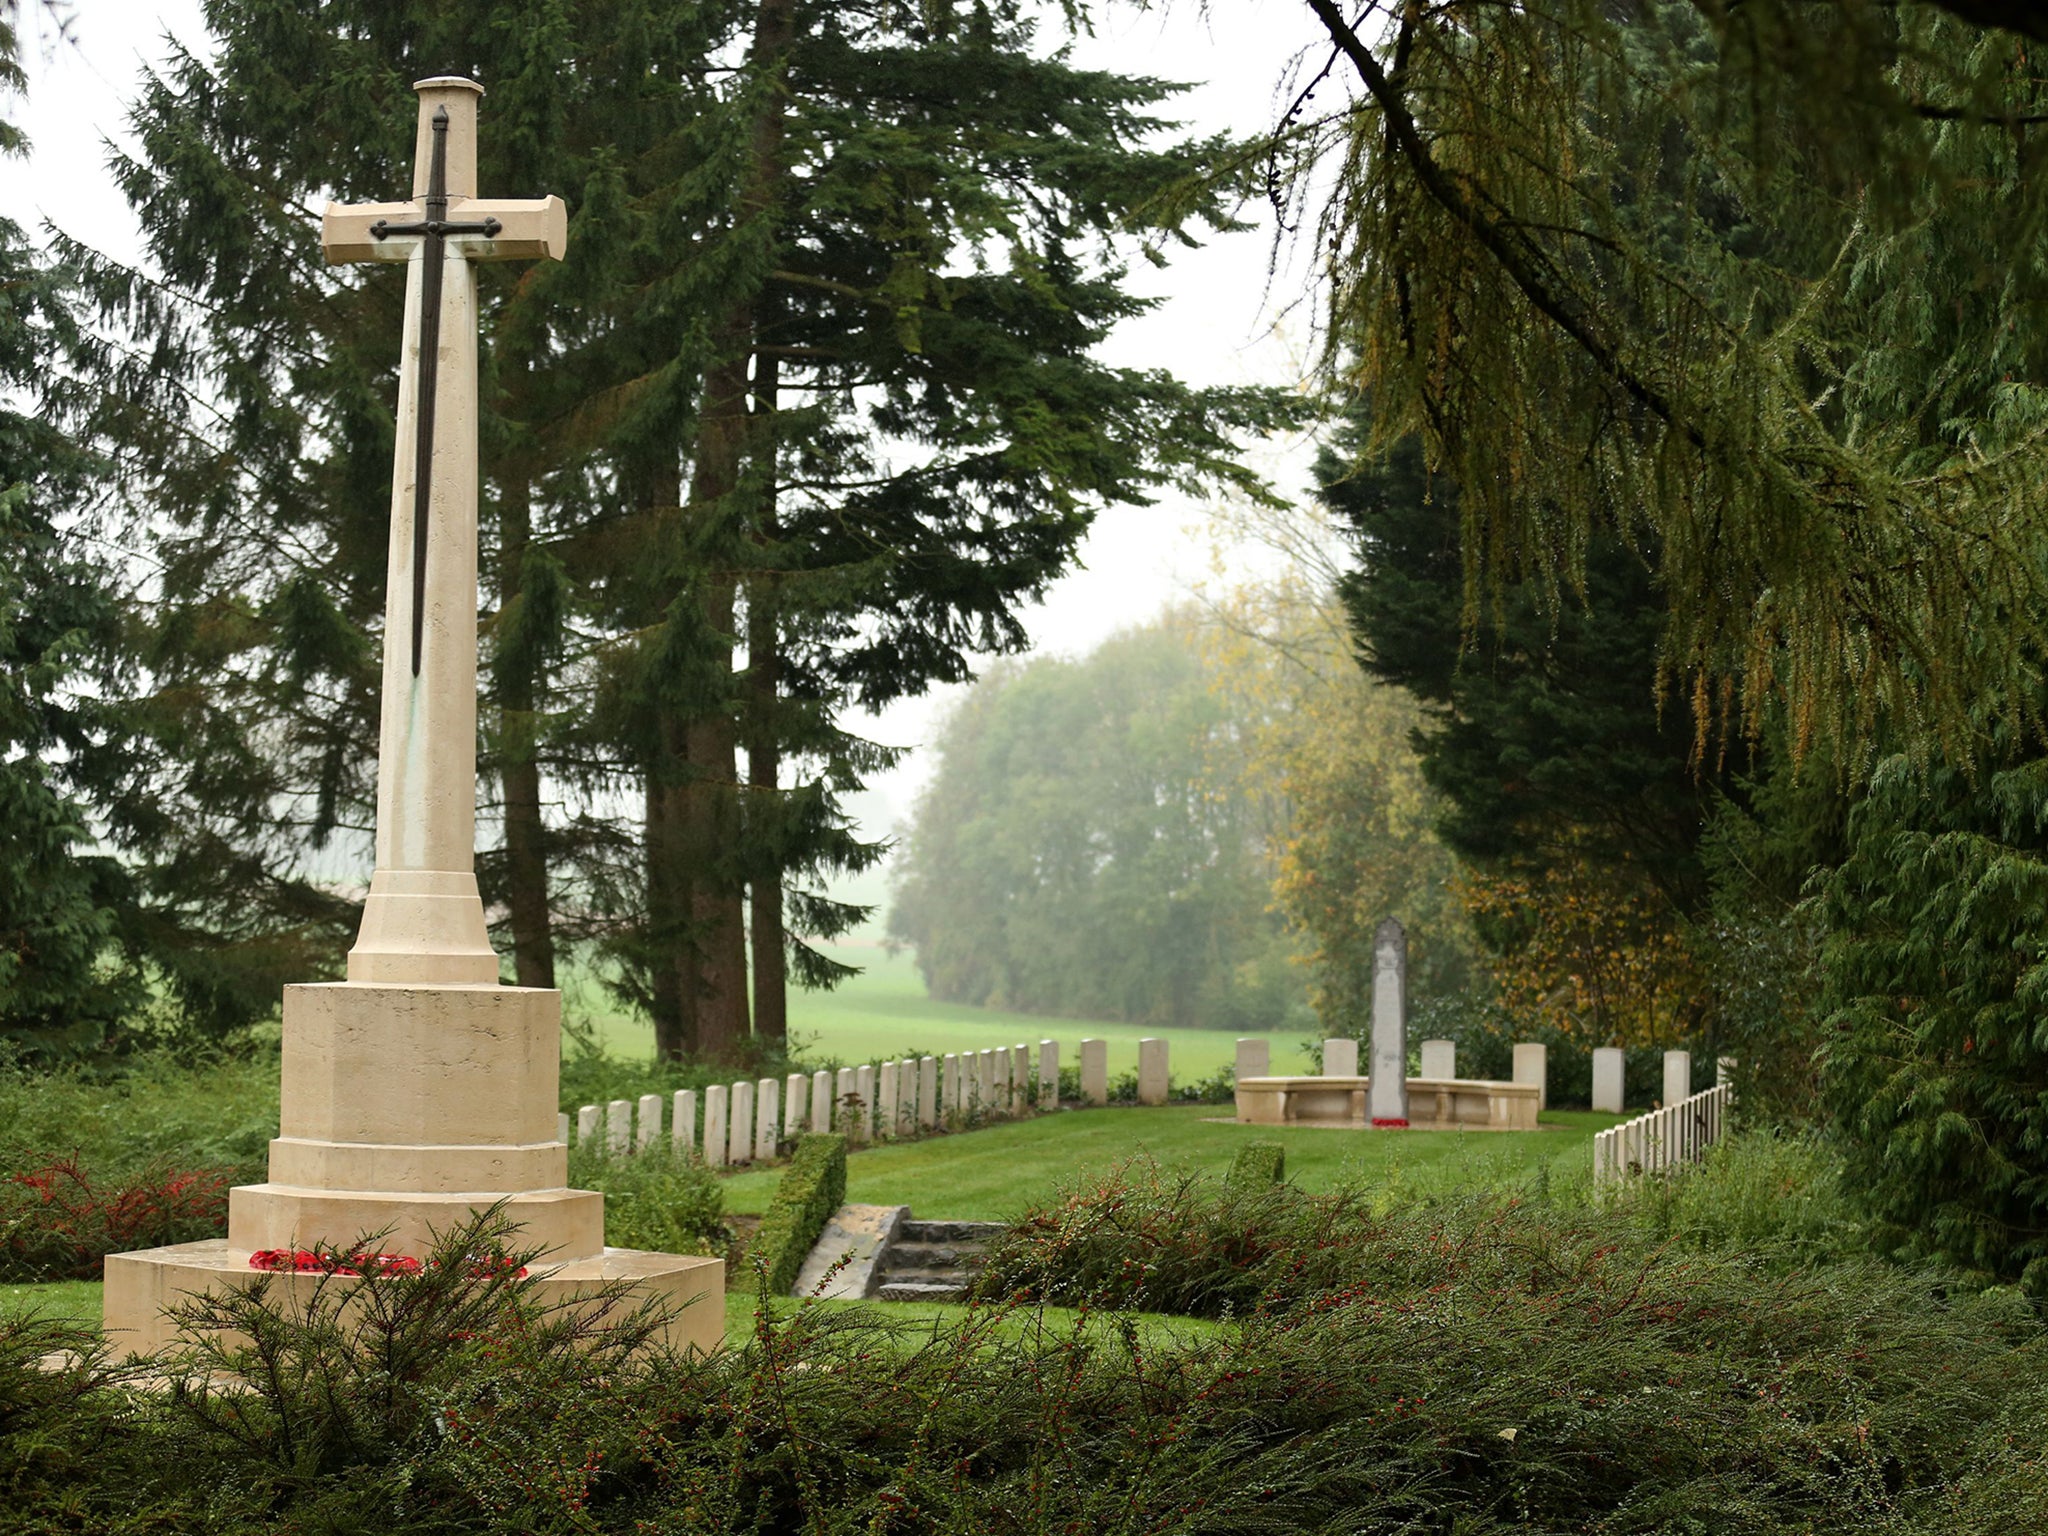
(1156, 831)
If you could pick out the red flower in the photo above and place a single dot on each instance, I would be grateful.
(315, 1261)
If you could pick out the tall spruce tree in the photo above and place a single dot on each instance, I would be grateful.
(69, 935)
(816, 367)
(1547, 739)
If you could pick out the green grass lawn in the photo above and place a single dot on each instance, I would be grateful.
(992, 1174)
(885, 1013)
(80, 1300)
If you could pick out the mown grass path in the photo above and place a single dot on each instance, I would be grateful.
(995, 1173)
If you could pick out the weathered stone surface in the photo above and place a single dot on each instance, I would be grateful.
(1340, 1058)
(856, 1234)
(140, 1286)
(647, 1127)
(1254, 1058)
(683, 1124)
(1439, 1059)
(1441, 1104)
(927, 1092)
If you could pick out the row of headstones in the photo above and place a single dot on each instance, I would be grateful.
(1532, 1065)
(897, 1100)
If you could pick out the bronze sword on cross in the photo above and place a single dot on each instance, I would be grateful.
(436, 227)
(422, 921)
(541, 228)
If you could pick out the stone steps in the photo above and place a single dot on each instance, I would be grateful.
(932, 1260)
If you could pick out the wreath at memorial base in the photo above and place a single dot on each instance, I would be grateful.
(1389, 1124)
(316, 1261)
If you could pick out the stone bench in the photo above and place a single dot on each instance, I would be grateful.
(1433, 1102)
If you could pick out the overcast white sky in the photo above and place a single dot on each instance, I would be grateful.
(1218, 322)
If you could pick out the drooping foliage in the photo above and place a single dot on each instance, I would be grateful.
(1749, 284)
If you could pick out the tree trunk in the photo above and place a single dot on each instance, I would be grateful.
(764, 751)
(764, 762)
(670, 938)
(526, 852)
(707, 830)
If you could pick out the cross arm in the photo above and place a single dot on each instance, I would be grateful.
(529, 229)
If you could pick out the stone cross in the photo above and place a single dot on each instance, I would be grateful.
(1389, 1074)
(423, 921)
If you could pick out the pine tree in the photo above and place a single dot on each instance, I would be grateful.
(936, 441)
(68, 952)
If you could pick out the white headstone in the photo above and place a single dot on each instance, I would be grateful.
(844, 1120)
(714, 1125)
(1152, 1074)
(951, 1087)
(1255, 1059)
(741, 1143)
(1095, 1071)
(1020, 1078)
(589, 1122)
(618, 1126)
(796, 1101)
(1677, 1076)
(765, 1137)
(1340, 1058)
(648, 1131)
(927, 1092)
(1532, 1065)
(821, 1101)
(1607, 1080)
(1439, 1059)
(885, 1099)
(683, 1128)
(1048, 1074)
(562, 1127)
(864, 1090)
(906, 1098)
(1389, 1087)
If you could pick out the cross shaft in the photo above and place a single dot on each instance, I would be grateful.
(422, 920)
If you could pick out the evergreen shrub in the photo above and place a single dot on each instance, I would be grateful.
(810, 1190)
(1495, 1368)
(660, 1199)
(1934, 996)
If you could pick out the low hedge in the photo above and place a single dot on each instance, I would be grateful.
(813, 1187)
